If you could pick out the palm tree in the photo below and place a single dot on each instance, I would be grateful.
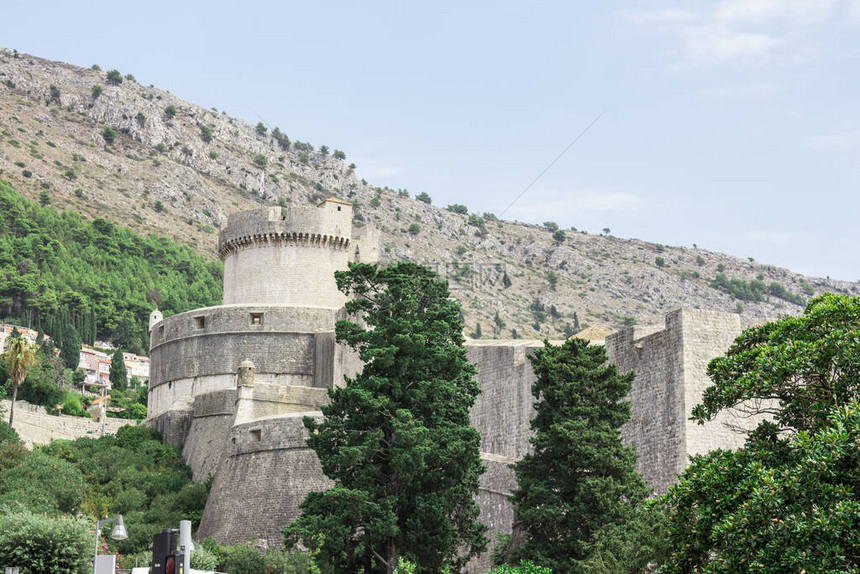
(20, 356)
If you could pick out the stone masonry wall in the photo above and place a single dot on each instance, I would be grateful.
(503, 410)
(35, 426)
(656, 426)
(707, 335)
(266, 472)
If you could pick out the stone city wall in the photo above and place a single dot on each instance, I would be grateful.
(36, 426)
(503, 410)
(656, 426)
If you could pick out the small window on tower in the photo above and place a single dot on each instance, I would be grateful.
(256, 435)
(199, 322)
(256, 318)
(338, 208)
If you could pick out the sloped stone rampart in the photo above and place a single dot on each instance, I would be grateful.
(265, 474)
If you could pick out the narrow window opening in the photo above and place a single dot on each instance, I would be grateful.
(256, 318)
(338, 208)
(256, 435)
(199, 322)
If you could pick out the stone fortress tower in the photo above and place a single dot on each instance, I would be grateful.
(230, 384)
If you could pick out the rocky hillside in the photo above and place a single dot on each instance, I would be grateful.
(101, 144)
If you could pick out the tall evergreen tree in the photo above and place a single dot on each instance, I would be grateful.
(70, 348)
(580, 477)
(396, 440)
(118, 372)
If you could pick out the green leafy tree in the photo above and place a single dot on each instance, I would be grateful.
(109, 135)
(396, 439)
(118, 372)
(261, 128)
(260, 160)
(97, 90)
(170, 111)
(580, 478)
(424, 197)
(114, 77)
(19, 357)
(789, 500)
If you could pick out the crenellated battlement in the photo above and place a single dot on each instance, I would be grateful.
(288, 256)
(282, 239)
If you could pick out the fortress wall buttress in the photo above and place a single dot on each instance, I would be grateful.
(264, 475)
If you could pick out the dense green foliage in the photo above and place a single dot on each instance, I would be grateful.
(580, 479)
(525, 567)
(636, 546)
(754, 290)
(44, 383)
(246, 559)
(396, 439)
(131, 473)
(789, 500)
(38, 543)
(54, 264)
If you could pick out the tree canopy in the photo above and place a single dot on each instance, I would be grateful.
(396, 439)
(580, 478)
(789, 500)
(94, 275)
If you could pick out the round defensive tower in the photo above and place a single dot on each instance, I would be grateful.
(287, 257)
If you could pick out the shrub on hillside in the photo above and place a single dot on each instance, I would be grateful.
(40, 543)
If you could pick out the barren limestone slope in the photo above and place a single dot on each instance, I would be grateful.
(176, 168)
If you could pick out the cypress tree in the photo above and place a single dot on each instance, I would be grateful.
(70, 348)
(118, 373)
(580, 477)
(396, 440)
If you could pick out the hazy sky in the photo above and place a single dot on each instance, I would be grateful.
(732, 124)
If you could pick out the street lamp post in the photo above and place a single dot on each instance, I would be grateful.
(118, 533)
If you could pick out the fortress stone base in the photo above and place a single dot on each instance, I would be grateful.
(231, 383)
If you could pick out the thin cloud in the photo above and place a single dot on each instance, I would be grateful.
(715, 44)
(745, 31)
(835, 141)
(658, 16)
(793, 12)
